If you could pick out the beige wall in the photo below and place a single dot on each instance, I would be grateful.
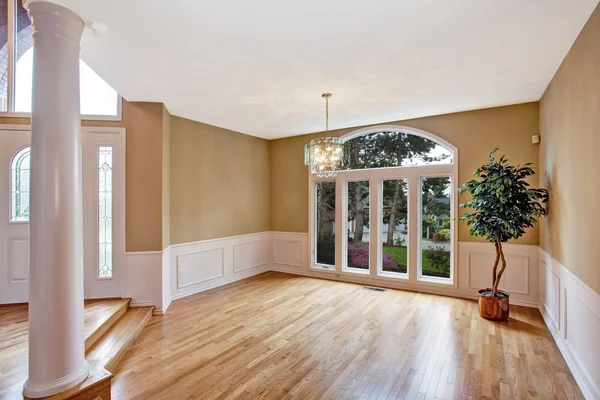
(219, 182)
(166, 178)
(570, 129)
(143, 123)
(474, 133)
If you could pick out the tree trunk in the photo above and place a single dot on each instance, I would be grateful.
(497, 282)
(495, 264)
(359, 219)
(392, 220)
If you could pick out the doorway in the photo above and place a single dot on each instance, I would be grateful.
(103, 175)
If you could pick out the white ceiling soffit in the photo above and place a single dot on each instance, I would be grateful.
(259, 67)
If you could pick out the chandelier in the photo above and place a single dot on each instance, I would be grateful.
(324, 155)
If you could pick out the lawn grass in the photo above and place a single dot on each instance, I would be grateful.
(400, 255)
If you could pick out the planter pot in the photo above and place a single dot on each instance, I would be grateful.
(494, 308)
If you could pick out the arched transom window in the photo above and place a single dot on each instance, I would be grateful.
(19, 185)
(389, 212)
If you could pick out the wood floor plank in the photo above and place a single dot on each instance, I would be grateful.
(278, 336)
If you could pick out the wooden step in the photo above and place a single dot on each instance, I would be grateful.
(100, 315)
(108, 351)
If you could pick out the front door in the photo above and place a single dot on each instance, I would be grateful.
(14, 223)
(103, 158)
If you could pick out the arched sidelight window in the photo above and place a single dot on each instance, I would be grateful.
(389, 212)
(19, 185)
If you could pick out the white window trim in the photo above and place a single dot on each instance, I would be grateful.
(84, 117)
(375, 177)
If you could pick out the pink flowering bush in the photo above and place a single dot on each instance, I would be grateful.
(359, 258)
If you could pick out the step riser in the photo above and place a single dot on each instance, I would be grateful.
(101, 330)
(111, 366)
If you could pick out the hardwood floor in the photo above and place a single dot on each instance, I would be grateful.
(110, 327)
(278, 336)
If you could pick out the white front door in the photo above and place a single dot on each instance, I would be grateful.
(103, 156)
(14, 226)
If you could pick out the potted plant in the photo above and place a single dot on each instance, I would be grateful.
(503, 205)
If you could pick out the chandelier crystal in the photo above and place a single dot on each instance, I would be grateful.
(324, 155)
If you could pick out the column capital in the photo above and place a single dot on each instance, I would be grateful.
(55, 19)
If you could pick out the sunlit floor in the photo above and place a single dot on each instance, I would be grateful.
(278, 336)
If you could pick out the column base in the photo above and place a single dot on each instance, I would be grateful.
(34, 390)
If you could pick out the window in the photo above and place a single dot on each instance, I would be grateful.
(396, 191)
(97, 97)
(392, 149)
(19, 185)
(394, 223)
(358, 225)
(105, 215)
(436, 249)
(325, 222)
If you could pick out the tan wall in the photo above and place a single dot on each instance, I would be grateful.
(166, 178)
(143, 122)
(570, 129)
(219, 182)
(474, 133)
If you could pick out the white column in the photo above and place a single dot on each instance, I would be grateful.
(56, 327)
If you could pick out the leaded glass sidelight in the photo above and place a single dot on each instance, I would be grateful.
(19, 185)
(105, 211)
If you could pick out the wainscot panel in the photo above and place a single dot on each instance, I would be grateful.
(203, 265)
(571, 310)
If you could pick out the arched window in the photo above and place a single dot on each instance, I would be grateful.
(394, 201)
(19, 185)
(385, 149)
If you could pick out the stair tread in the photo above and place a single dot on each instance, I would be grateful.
(99, 315)
(109, 349)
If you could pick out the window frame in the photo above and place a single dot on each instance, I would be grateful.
(345, 233)
(313, 223)
(376, 176)
(453, 188)
(11, 73)
(380, 271)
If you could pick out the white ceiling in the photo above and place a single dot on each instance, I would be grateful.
(259, 67)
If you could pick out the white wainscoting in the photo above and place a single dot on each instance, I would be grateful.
(475, 263)
(143, 274)
(290, 250)
(571, 310)
(206, 264)
(166, 281)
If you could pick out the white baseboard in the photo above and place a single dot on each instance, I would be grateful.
(571, 310)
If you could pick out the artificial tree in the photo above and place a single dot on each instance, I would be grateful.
(504, 205)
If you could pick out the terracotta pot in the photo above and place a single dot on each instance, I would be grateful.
(494, 308)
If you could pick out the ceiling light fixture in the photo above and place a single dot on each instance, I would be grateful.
(324, 155)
